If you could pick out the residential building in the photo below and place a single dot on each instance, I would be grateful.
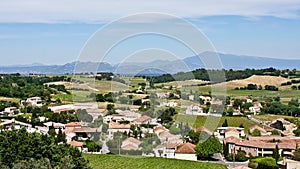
(186, 151)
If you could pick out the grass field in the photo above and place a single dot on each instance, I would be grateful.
(17, 100)
(213, 122)
(125, 162)
(270, 117)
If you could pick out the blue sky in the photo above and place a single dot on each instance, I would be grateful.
(55, 33)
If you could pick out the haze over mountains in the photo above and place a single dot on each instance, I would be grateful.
(229, 61)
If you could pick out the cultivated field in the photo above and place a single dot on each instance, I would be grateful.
(126, 162)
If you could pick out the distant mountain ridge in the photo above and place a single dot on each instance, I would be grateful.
(229, 61)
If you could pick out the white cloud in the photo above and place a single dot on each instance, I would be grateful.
(89, 11)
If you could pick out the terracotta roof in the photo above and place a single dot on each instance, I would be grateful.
(186, 148)
(133, 140)
(142, 119)
(171, 145)
(231, 129)
(158, 128)
(76, 143)
(251, 129)
(114, 125)
(202, 128)
(74, 124)
(86, 130)
(130, 147)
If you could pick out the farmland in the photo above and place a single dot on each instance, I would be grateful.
(124, 162)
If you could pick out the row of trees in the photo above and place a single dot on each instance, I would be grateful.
(258, 87)
(203, 74)
(18, 147)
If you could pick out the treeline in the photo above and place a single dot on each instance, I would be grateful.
(26, 86)
(20, 149)
(109, 76)
(257, 87)
(203, 74)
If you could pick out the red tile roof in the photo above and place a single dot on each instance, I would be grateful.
(74, 124)
(142, 119)
(76, 143)
(114, 125)
(186, 148)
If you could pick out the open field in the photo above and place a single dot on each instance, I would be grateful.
(124, 162)
(17, 100)
(182, 83)
(212, 122)
(270, 117)
(258, 80)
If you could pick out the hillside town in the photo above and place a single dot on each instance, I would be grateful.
(133, 131)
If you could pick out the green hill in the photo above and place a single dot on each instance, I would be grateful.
(124, 162)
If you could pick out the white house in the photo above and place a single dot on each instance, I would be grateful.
(34, 101)
(186, 151)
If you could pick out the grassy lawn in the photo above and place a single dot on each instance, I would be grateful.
(123, 162)
(211, 122)
(270, 117)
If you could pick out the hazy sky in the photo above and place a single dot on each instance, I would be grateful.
(54, 31)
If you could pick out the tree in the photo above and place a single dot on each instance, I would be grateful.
(256, 133)
(207, 148)
(225, 124)
(275, 132)
(19, 144)
(61, 137)
(275, 154)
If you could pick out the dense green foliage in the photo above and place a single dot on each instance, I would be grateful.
(203, 74)
(263, 163)
(240, 156)
(18, 145)
(205, 149)
(26, 86)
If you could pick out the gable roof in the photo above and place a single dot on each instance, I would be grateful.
(251, 129)
(202, 128)
(76, 143)
(142, 119)
(133, 140)
(114, 125)
(74, 124)
(231, 130)
(186, 148)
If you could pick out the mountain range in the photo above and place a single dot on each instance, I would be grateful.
(157, 67)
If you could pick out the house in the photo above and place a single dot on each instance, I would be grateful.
(289, 164)
(170, 104)
(166, 136)
(229, 130)
(128, 115)
(205, 99)
(10, 110)
(62, 108)
(86, 132)
(143, 120)
(186, 151)
(256, 108)
(131, 144)
(203, 129)
(114, 127)
(262, 146)
(158, 129)
(33, 101)
(194, 110)
(77, 144)
(55, 125)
